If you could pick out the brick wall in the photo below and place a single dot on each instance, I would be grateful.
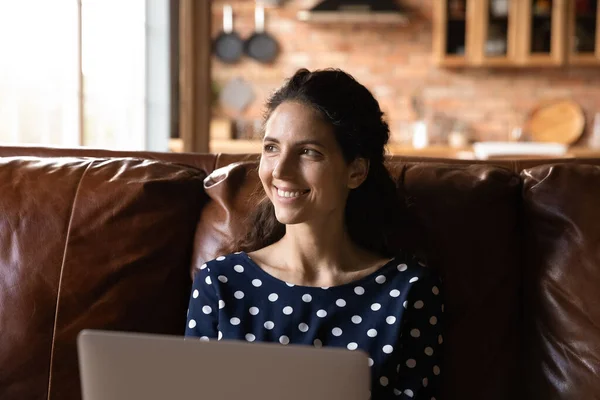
(395, 62)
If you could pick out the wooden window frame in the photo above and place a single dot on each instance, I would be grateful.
(194, 74)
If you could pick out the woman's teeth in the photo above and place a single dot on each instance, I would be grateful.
(283, 193)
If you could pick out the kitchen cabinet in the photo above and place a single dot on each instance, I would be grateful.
(453, 25)
(583, 28)
(496, 41)
(516, 33)
(542, 32)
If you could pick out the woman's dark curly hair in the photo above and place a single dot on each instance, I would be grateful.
(373, 210)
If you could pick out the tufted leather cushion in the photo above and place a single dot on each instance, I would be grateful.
(88, 243)
(562, 285)
(469, 217)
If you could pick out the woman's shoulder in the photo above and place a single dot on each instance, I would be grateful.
(235, 260)
(414, 268)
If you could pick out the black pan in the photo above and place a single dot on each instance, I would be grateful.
(228, 46)
(261, 46)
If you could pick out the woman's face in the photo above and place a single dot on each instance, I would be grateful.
(302, 168)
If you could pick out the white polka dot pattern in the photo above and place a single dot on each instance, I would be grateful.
(394, 315)
(288, 310)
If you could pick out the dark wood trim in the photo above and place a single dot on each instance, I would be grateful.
(194, 74)
(174, 67)
(80, 79)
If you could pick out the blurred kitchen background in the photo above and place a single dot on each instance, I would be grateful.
(456, 78)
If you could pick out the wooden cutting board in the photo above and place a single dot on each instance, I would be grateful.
(560, 121)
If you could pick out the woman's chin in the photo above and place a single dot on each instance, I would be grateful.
(288, 219)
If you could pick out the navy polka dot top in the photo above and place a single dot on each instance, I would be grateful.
(393, 314)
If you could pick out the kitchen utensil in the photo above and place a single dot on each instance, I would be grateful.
(560, 121)
(228, 46)
(236, 96)
(499, 8)
(261, 46)
(488, 150)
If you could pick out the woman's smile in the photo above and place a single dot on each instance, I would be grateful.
(288, 195)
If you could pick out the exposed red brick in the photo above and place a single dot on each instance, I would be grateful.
(394, 62)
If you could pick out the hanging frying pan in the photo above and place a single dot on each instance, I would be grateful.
(228, 46)
(261, 46)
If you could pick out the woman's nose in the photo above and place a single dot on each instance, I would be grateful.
(284, 167)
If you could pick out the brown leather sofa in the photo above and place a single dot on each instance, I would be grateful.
(100, 239)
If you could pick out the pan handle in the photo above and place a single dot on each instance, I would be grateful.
(227, 19)
(259, 18)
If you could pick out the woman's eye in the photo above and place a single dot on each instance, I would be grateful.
(311, 152)
(269, 148)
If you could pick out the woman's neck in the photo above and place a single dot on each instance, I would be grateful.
(323, 254)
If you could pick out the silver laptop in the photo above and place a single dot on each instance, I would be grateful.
(126, 366)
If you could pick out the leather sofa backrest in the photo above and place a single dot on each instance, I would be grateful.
(88, 243)
(561, 212)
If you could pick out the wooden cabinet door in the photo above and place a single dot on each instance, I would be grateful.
(496, 38)
(453, 32)
(583, 32)
(542, 32)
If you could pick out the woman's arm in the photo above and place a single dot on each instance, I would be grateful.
(203, 310)
(421, 340)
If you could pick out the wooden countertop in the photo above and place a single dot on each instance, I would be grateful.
(253, 146)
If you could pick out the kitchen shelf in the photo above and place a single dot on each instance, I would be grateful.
(466, 153)
(347, 17)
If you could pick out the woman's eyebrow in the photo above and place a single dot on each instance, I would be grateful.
(299, 143)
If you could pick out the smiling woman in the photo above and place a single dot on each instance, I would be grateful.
(318, 265)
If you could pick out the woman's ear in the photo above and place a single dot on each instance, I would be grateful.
(358, 171)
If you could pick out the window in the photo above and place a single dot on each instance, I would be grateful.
(76, 73)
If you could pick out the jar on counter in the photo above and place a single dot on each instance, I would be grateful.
(458, 136)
